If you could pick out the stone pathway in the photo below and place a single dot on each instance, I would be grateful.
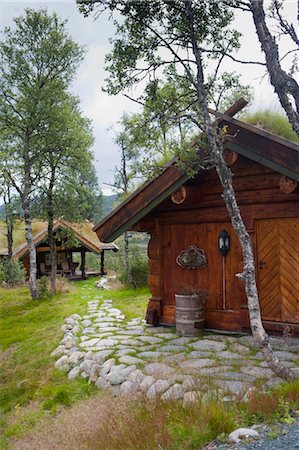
(130, 357)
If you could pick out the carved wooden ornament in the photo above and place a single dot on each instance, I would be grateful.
(192, 258)
(287, 185)
(179, 196)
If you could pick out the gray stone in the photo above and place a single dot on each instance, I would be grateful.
(109, 342)
(76, 357)
(228, 355)
(209, 345)
(89, 343)
(242, 433)
(286, 356)
(166, 335)
(116, 378)
(69, 342)
(150, 355)
(235, 387)
(89, 355)
(127, 370)
(127, 387)
(66, 327)
(175, 392)
(74, 373)
(94, 372)
(181, 341)
(191, 398)
(171, 348)
(194, 364)
(76, 317)
(159, 370)
(106, 367)
(58, 351)
(100, 357)
(150, 339)
(71, 321)
(190, 384)
(158, 387)
(124, 352)
(136, 376)
(86, 365)
(86, 322)
(130, 360)
(236, 376)
(200, 354)
(176, 358)
(76, 329)
(63, 361)
(258, 372)
(146, 383)
(240, 348)
(102, 382)
(117, 368)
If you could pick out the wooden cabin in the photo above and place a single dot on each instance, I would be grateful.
(83, 239)
(184, 215)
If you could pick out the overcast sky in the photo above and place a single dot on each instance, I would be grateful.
(105, 111)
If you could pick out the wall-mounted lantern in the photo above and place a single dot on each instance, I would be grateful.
(224, 242)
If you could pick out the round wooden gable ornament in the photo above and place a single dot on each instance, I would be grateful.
(179, 196)
(287, 185)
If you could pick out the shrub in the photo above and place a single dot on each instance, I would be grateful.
(139, 271)
(43, 289)
(11, 272)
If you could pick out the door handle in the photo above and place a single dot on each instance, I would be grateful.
(261, 264)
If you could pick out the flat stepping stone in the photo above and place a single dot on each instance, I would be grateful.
(216, 371)
(195, 364)
(206, 344)
(286, 356)
(228, 355)
(150, 355)
(171, 348)
(258, 372)
(199, 354)
(181, 341)
(159, 370)
(166, 335)
(236, 376)
(242, 349)
(100, 357)
(124, 352)
(175, 358)
(150, 339)
(109, 342)
(130, 360)
(89, 343)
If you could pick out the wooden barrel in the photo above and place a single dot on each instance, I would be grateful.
(190, 315)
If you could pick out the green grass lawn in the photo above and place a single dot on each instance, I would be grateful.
(30, 386)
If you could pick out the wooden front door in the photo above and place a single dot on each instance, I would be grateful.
(226, 292)
(278, 269)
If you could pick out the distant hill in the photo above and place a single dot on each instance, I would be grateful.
(108, 203)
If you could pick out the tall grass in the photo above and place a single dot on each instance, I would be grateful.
(272, 121)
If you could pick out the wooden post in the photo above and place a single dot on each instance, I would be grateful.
(83, 264)
(103, 263)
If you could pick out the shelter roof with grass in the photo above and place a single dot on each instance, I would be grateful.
(69, 238)
(184, 214)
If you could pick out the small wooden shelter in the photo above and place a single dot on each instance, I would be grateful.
(85, 240)
(188, 221)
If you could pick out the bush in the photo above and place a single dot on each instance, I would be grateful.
(43, 288)
(11, 272)
(139, 271)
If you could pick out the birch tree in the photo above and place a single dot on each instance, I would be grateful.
(38, 61)
(151, 36)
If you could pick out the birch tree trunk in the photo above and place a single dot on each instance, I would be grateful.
(53, 258)
(284, 85)
(28, 232)
(9, 231)
(225, 176)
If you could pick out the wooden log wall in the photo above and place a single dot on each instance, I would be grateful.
(199, 220)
